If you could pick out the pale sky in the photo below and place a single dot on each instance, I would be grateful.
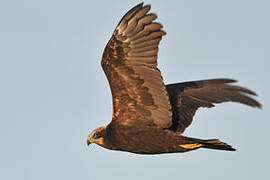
(53, 91)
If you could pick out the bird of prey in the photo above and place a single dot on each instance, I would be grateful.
(149, 117)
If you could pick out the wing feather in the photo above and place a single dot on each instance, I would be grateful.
(187, 97)
(130, 64)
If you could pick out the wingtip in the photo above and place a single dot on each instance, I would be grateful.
(139, 5)
(231, 80)
(142, 5)
(259, 106)
(227, 80)
(239, 88)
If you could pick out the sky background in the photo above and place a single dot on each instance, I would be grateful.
(53, 91)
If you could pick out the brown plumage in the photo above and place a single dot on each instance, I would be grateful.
(149, 117)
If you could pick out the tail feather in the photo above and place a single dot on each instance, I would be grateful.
(216, 144)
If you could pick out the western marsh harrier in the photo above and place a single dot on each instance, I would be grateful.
(148, 116)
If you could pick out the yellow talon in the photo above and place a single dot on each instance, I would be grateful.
(190, 146)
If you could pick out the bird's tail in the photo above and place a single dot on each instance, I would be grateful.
(208, 143)
(216, 144)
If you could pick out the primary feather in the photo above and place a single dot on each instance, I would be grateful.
(130, 63)
(187, 97)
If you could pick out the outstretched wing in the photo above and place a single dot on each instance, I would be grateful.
(130, 64)
(187, 97)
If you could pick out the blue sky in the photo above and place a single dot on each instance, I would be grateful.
(53, 91)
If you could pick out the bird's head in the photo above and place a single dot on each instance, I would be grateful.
(97, 136)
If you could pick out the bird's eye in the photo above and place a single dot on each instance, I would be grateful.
(96, 135)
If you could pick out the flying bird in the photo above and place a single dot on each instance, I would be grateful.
(149, 117)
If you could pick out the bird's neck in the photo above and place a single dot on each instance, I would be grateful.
(106, 141)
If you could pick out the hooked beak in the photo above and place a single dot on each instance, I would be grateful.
(90, 140)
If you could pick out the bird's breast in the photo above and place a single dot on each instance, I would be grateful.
(141, 140)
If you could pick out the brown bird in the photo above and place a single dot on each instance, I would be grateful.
(148, 116)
